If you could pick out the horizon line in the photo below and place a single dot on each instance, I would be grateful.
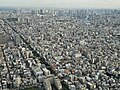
(30, 7)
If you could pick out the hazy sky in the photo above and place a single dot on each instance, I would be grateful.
(63, 3)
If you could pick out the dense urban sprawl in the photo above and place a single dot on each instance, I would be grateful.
(59, 49)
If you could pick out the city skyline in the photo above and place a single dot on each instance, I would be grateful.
(62, 3)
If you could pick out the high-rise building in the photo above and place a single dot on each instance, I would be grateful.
(17, 39)
(1, 55)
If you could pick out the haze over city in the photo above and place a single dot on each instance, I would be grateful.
(62, 3)
(59, 45)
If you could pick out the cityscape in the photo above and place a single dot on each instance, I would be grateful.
(59, 49)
